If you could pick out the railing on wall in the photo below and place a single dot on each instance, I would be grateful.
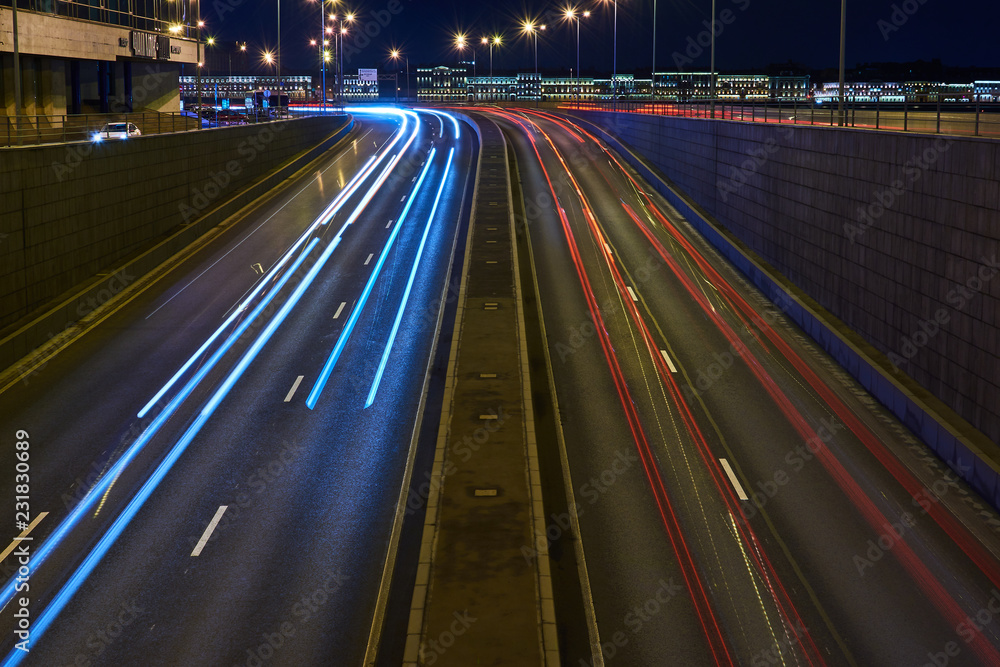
(33, 130)
(977, 118)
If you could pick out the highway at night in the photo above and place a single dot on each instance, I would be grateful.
(681, 392)
(227, 454)
(221, 458)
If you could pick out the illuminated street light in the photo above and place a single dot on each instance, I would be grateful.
(496, 40)
(396, 54)
(461, 43)
(614, 66)
(573, 14)
(530, 28)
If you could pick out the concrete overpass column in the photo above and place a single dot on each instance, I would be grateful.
(53, 87)
(7, 83)
(29, 85)
(155, 87)
(75, 102)
(103, 85)
(127, 87)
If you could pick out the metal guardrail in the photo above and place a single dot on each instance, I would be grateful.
(978, 119)
(34, 130)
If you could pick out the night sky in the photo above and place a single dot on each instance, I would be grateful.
(759, 32)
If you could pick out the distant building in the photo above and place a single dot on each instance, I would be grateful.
(861, 91)
(446, 84)
(237, 88)
(683, 86)
(693, 86)
(441, 84)
(787, 88)
(297, 88)
(742, 87)
(908, 91)
(956, 92)
(491, 88)
(988, 91)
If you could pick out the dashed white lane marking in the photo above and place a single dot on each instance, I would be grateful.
(291, 392)
(732, 478)
(631, 293)
(370, 255)
(666, 358)
(208, 531)
(339, 309)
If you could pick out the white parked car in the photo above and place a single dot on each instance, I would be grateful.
(117, 131)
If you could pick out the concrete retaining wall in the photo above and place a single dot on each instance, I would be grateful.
(894, 235)
(70, 212)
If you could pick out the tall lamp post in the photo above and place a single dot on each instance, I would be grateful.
(269, 58)
(614, 59)
(843, 39)
(201, 24)
(278, 58)
(395, 54)
(461, 43)
(575, 15)
(496, 40)
(211, 42)
(652, 74)
(712, 66)
(338, 31)
(17, 76)
(533, 30)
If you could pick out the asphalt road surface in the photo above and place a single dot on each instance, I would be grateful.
(221, 458)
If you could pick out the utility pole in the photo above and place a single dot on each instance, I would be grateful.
(843, 41)
(17, 78)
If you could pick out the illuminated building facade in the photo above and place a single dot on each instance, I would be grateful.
(86, 57)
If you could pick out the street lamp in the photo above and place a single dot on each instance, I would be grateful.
(201, 24)
(340, 63)
(338, 31)
(530, 28)
(270, 58)
(211, 42)
(843, 33)
(461, 42)
(395, 54)
(614, 60)
(574, 15)
(712, 66)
